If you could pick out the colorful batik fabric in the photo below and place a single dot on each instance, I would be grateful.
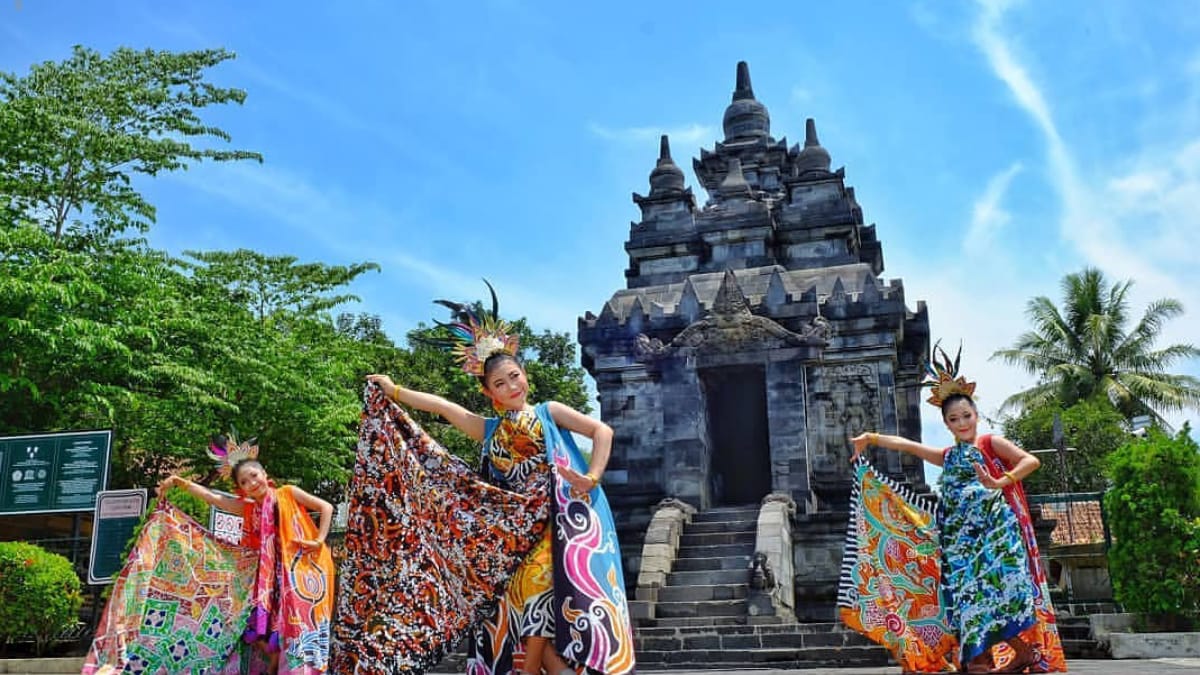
(1042, 634)
(985, 570)
(293, 592)
(430, 547)
(179, 605)
(571, 587)
(592, 624)
(890, 588)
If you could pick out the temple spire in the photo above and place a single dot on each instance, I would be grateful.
(666, 178)
(813, 159)
(744, 89)
(745, 118)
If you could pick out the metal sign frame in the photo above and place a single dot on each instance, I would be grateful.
(133, 509)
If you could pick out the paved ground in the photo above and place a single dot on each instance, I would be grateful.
(1108, 667)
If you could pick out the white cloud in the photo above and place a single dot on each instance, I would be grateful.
(1139, 224)
(351, 227)
(988, 216)
(689, 134)
(801, 95)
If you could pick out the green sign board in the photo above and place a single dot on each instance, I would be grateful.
(117, 515)
(48, 473)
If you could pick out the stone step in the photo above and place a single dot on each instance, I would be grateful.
(692, 622)
(1075, 631)
(746, 629)
(726, 639)
(700, 608)
(716, 538)
(689, 564)
(43, 666)
(695, 593)
(727, 515)
(1084, 649)
(722, 659)
(708, 577)
(721, 526)
(717, 551)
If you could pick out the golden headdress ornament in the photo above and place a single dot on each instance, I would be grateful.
(227, 452)
(942, 378)
(476, 334)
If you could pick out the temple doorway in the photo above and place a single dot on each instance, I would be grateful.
(736, 401)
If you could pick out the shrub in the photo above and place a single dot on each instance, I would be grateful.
(1154, 513)
(39, 594)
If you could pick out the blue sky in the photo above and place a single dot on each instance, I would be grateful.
(997, 145)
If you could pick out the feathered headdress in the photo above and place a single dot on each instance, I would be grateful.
(942, 378)
(227, 452)
(476, 334)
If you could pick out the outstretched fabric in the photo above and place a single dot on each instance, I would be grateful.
(429, 546)
(890, 587)
(592, 626)
(179, 605)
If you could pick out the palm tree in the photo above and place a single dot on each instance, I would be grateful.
(1086, 351)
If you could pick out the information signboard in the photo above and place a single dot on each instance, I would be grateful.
(117, 516)
(52, 473)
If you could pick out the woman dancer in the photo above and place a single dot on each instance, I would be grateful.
(993, 586)
(531, 566)
(292, 597)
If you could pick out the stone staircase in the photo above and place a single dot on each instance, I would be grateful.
(1077, 639)
(703, 620)
(710, 578)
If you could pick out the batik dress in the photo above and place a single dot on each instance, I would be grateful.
(514, 458)
(992, 580)
(293, 589)
(938, 586)
(435, 553)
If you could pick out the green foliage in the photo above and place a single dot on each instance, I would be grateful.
(39, 594)
(1087, 349)
(1092, 428)
(75, 131)
(1154, 512)
(102, 331)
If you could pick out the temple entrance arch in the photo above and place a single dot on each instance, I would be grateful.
(736, 409)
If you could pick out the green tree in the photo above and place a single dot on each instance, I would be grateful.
(1092, 429)
(75, 132)
(1087, 349)
(1154, 512)
(98, 330)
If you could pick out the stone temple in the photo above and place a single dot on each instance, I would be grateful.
(753, 338)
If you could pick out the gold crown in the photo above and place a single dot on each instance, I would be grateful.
(227, 452)
(942, 378)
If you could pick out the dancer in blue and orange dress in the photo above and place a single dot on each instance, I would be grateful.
(519, 557)
(994, 596)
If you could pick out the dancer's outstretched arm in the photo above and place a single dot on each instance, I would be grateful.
(466, 421)
(899, 443)
(227, 504)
